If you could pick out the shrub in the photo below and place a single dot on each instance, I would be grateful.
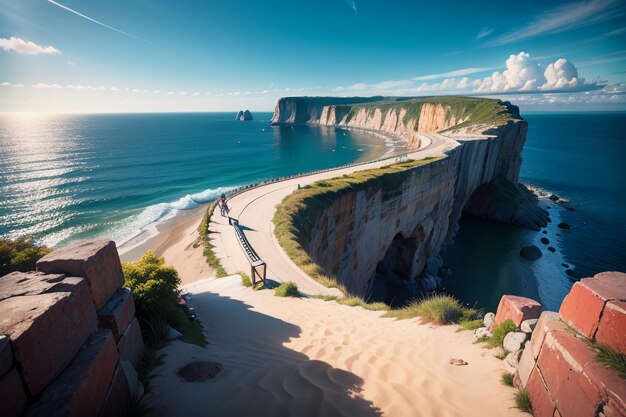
(439, 309)
(154, 285)
(507, 379)
(287, 289)
(522, 401)
(20, 255)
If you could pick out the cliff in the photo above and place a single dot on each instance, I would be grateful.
(381, 234)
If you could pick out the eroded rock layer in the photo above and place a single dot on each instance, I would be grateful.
(384, 244)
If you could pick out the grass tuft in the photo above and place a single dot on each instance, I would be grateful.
(522, 401)
(609, 358)
(438, 309)
(507, 379)
(245, 279)
(470, 325)
(499, 332)
(203, 230)
(287, 289)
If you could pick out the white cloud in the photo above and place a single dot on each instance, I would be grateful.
(71, 63)
(524, 74)
(170, 93)
(196, 94)
(47, 86)
(456, 73)
(484, 32)
(560, 75)
(183, 93)
(156, 92)
(615, 89)
(21, 46)
(564, 17)
(114, 89)
(8, 84)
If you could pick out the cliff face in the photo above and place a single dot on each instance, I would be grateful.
(384, 244)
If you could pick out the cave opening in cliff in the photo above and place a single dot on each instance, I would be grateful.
(392, 276)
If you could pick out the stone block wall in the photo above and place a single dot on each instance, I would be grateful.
(69, 339)
(558, 366)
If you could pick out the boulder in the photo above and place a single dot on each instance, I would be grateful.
(239, 115)
(551, 249)
(612, 328)
(16, 284)
(95, 260)
(517, 309)
(130, 345)
(514, 341)
(12, 394)
(548, 321)
(528, 326)
(532, 253)
(136, 387)
(563, 225)
(488, 319)
(430, 282)
(247, 115)
(6, 355)
(540, 398)
(554, 197)
(583, 306)
(511, 362)
(118, 312)
(118, 397)
(482, 332)
(82, 388)
(525, 366)
(562, 361)
(545, 240)
(47, 330)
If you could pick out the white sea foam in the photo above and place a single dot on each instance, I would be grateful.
(142, 226)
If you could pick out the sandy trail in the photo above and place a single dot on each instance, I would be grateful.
(308, 357)
(255, 210)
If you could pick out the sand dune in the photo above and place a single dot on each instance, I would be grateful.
(308, 357)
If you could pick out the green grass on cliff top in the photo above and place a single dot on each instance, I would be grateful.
(296, 215)
(476, 110)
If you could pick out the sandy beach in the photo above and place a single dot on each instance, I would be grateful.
(308, 357)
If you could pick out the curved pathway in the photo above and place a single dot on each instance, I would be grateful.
(255, 210)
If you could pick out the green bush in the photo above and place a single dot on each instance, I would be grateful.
(20, 255)
(439, 309)
(154, 285)
(287, 289)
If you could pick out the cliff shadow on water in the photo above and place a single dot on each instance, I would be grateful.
(379, 233)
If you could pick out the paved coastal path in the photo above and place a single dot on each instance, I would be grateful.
(255, 208)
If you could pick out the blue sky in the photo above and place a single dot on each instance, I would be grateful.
(155, 55)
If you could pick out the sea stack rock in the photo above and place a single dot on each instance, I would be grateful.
(244, 115)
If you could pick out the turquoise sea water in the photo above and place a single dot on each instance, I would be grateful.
(73, 176)
(580, 157)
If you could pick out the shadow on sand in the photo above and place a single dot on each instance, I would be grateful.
(260, 376)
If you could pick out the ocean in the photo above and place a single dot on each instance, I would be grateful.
(579, 157)
(66, 177)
